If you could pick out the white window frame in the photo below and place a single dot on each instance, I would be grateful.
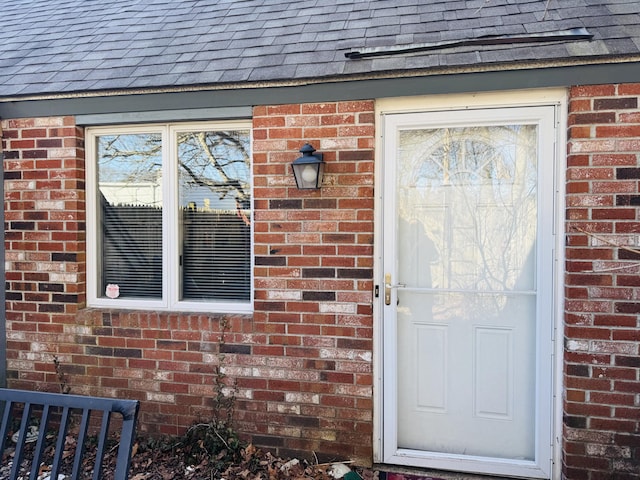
(171, 244)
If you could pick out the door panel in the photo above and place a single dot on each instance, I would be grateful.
(468, 230)
(465, 371)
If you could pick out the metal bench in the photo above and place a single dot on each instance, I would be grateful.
(21, 409)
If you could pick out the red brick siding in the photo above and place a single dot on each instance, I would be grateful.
(44, 241)
(302, 362)
(602, 300)
(314, 281)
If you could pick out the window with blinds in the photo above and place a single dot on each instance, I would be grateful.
(213, 172)
(172, 227)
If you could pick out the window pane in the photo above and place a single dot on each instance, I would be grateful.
(130, 210)
(215, 200)
(468, 195)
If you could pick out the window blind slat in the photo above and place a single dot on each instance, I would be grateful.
(132, 250)
(216, 256)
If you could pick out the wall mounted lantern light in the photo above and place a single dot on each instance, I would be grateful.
(308, 169)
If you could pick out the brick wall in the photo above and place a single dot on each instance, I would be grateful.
(44, 241)
(602, 334)
(302, 363)
(314, 254)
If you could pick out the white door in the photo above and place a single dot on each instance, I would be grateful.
(468, 290)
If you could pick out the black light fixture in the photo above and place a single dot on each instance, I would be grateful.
(308, 169)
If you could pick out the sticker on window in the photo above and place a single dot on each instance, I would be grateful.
(113, 291)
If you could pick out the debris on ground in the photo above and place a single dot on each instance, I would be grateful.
(168, 459)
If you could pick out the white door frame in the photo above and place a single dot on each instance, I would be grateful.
(553, 97)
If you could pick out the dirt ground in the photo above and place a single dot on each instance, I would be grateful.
(171, 459)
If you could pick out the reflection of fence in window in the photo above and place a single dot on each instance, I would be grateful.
(216, 255)
(132, 250)
(215, 258)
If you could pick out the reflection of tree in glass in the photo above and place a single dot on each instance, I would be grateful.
(452, 155)
(215, 162)
(218, 161)
(129, 158)
(474, 191)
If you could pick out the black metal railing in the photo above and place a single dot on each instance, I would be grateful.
(44, 419)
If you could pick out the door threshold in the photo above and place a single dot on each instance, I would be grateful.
(394, 472)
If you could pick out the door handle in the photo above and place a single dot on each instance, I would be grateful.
(387, 288)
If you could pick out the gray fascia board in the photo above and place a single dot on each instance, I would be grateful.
(182, 101)
(226, 113)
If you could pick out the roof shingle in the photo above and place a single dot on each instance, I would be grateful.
(77, 45)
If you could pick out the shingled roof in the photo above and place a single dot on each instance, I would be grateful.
(68, 46)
